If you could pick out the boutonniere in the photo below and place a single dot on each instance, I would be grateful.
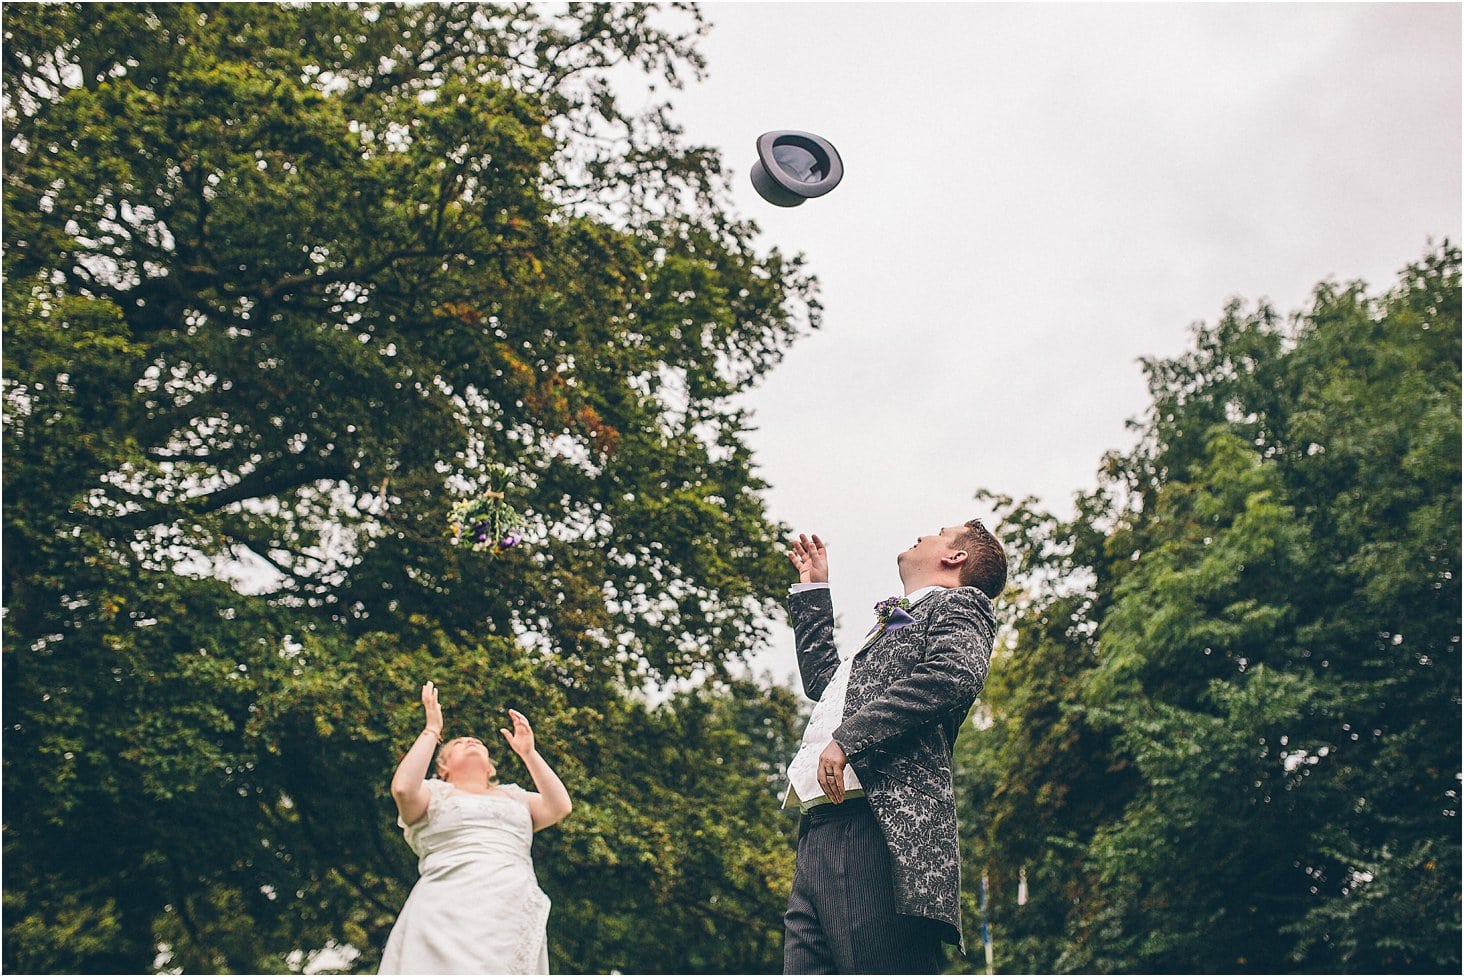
(894, 613)
(486, 521)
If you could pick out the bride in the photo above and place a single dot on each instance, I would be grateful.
(476, 907)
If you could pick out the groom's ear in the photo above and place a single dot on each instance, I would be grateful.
(955, 559)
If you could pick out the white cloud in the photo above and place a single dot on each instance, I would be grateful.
(1036, 196)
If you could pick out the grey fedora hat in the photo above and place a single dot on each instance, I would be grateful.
(793, 166)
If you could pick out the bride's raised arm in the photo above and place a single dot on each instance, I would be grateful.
(551, 804)
(409, 783)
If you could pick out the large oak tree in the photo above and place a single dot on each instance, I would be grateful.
(281, 282)
(1226, 734)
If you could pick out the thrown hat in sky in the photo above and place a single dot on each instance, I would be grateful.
(793, 166)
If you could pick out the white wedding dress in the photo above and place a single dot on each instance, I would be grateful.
(477, 907)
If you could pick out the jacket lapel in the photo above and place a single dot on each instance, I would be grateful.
(880, 630)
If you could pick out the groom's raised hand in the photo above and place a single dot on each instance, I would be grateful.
(810, 558)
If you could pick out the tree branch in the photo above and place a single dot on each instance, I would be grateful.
(264, 482)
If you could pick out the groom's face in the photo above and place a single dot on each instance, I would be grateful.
(929, 551)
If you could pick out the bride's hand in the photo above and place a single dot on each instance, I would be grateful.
(521, 740)
(433, 723)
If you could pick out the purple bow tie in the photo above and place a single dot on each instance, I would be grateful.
(898, 619)
(892, 616)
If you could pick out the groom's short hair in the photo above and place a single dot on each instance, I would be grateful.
(986, 564)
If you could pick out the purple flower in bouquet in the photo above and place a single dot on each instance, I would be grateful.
(483, 520)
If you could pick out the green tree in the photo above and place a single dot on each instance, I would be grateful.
(280, 281)
(1226, 735)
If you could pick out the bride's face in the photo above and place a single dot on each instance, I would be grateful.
(465, 760)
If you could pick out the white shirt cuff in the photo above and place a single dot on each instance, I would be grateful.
(799, 588)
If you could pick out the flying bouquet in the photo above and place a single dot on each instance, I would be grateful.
(486, 522)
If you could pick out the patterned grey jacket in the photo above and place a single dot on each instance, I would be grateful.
(910, 689)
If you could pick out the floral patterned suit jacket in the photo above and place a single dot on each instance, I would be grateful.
(910, 689)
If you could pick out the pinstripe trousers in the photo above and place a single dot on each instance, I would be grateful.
(841, 915)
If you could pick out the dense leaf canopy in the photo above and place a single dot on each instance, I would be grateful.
(281, 282)
(1225, 736)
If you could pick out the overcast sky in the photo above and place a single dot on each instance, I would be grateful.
(1036, 196)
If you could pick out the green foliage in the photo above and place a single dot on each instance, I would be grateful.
(1226, 733)
(281, 283)
(671, 869)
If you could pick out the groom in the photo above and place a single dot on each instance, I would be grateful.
(877, 881)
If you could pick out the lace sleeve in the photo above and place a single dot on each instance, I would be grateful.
(515, 791)
(437, 789)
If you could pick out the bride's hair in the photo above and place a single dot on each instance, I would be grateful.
(447, 748)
